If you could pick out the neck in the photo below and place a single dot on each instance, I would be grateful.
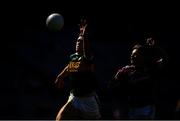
(80, 53)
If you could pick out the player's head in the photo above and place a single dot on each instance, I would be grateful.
(79, 44)
(142, 55)
(138, 55)
(82, 45)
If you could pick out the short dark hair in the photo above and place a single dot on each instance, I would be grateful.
(146, 51)
(141, 49)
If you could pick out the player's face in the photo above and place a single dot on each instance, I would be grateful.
(79, 45)
(136, 58)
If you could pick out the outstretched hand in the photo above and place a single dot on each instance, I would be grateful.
(83, 25)
(150, 41)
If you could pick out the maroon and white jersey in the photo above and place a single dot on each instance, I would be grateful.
(133, 85)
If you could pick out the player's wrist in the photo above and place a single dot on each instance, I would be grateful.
(81, 37)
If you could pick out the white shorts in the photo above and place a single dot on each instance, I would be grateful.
(87, 105)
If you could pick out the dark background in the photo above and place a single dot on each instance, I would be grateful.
(32, 55)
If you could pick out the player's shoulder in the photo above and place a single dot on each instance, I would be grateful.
(129, 67)
(126, 68)
(74, 56)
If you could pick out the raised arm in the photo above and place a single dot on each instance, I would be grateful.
(83, 38)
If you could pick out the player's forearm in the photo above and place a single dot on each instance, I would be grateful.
(63, 73)
(60, 78)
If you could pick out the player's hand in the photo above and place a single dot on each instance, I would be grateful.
(150, 41)
(83, 25)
